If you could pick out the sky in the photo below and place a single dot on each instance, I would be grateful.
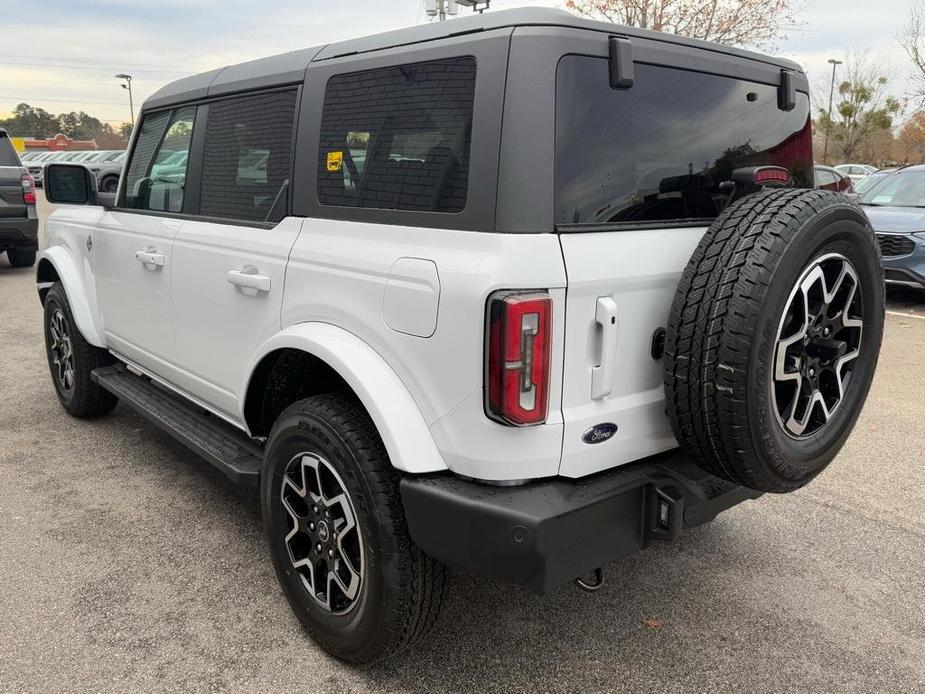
(61, 55)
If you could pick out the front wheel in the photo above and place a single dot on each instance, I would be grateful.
(109, 184)
(71, 360)
(338, 535)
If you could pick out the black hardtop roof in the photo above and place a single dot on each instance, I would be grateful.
(288, 68)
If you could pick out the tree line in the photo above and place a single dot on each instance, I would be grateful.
(31, 121)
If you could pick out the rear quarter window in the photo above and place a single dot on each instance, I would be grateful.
(8, 156)
(399, 137)
(659, 151)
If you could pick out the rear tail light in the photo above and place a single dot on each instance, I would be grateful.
(517, 373)
(28, 189)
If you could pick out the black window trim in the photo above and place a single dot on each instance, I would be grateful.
(191, 196)
(490, 51)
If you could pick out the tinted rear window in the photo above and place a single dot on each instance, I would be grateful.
(398, 138)
(660, 150)
(8, 156)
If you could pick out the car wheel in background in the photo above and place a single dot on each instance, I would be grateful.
(21, 258)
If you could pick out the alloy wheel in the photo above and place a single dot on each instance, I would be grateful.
(818, 342)
(62, 350)
(324, 541)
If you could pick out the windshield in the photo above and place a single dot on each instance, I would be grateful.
(902, 189)
(869, 182)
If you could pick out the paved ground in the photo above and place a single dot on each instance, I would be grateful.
(127, 565)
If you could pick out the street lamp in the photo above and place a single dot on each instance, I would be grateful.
(828, 125)
(128, 85)
(442, 8)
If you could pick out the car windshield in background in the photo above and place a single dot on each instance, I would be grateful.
(868, 182)
(901, 189)
(661, 150)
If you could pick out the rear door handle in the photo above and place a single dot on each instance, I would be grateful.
(249, 281)
(150, 258)
(605, 315)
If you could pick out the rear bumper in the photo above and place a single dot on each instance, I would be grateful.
(547, 533)
(19, 233)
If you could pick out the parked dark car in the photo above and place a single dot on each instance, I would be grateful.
(896, 209)
(18, 219)
(828, 178)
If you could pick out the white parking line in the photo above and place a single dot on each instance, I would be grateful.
(906, 315)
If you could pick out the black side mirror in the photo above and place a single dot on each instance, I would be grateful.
(70, 184)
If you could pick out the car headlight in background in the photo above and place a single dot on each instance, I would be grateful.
(919, 234)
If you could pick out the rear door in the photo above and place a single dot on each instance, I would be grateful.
(12, 204)
(638, 174)
(229, 261)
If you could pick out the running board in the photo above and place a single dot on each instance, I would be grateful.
(228, 449)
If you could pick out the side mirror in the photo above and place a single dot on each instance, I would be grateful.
(70, 184)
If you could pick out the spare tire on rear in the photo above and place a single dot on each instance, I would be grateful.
(773, 337)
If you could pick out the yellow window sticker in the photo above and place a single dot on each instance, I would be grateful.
(335, 161)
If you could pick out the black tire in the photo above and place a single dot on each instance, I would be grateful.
(736, 298)
(21, 258)
(401, 589)
(79, 395)
(109, 184)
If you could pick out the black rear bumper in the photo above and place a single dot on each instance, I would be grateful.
(549, 532)
(19, 232)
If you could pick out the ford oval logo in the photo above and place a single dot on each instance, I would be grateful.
(600, 433)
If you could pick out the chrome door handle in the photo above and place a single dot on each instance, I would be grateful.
(249, 281)
(602, 375)
(150, 258)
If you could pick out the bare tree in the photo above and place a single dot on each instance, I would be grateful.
(863, 108)
(755, 23)
(912, 39)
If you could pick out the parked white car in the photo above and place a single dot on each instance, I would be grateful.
(856, 172)
(506, 293)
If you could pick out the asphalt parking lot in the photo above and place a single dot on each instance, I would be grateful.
(127, 564)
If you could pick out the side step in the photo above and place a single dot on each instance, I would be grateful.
(227, 448)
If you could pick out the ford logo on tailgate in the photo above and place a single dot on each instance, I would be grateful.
(600, 433)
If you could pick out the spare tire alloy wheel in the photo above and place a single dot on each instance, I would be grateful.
(818, 340)
(773, 337)
(324, 542)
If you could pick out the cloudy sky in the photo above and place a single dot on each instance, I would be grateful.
(61, 55)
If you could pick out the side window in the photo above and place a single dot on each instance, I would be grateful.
(248, 152)
(398, 138)
(156, 173)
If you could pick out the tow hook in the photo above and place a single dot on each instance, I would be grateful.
(591, 587)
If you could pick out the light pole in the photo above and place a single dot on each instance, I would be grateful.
(828, 125)
(128, 85)
(441, 8)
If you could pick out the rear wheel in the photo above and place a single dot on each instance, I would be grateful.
(71, 359)
(774, 336)
(21, 258)
(338, 536)
(109, 184)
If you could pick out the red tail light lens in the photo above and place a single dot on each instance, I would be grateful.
(772, 174)
(519, 328)
(28, 189)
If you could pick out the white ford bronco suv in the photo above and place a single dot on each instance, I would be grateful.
(519, 293)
